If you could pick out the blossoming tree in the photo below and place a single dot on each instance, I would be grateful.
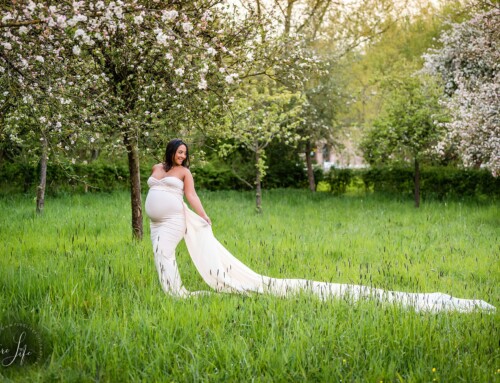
(136, 67)
(468, 64)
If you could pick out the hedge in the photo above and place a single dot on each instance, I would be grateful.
(438, 182)
(99, 176)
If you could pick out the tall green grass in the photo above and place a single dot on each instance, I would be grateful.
(92, 293)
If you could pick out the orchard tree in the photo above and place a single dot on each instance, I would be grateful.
(468, 65)
(409, 129)
(260, 115)
(326, 31)
(39, 115)
(268, 105)
(137, 65)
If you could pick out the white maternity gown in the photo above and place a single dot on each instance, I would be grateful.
(171, 220)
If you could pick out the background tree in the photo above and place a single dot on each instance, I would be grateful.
(467, 64)
(396, 52)
(409, 129)
(40, 113)
(259, 117)
(328, 31)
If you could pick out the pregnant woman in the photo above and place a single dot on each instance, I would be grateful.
(168, 183)
(172, 220)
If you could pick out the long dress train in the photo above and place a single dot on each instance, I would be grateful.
(171, 220)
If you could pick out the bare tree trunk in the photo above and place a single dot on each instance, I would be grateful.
(40, 193)
(417, 183)
(258, 184)
(95, 154)
(135, 186)
(310, 172)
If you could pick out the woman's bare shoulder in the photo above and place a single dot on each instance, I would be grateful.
(186, 174)
(158, 166)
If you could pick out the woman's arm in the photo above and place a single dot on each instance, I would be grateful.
(192, 197)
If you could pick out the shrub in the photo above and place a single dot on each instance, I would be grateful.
(215, 177)
(339, 179)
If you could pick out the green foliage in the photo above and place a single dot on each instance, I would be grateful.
(436, 182)
(93, 294)
(409, 128)
(235, 173)
(96, 176)
(261, 115)
(217, 176)
(397, 180)
(339, 179)
(394, 53)
(323, 187)
(285, 167)
(319, 174)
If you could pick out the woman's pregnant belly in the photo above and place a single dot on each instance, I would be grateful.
(162, 205)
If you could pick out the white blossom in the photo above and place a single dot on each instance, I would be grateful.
(76, 19)
(467, 62)
(179, 71)
(161, 38)
(79, 32)
(230, 78)
(202, 84)
(187, 26)
(77, 50)
(138, 19)
(169, 15)
(7, 17)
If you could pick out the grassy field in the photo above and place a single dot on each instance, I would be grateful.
(77, 279)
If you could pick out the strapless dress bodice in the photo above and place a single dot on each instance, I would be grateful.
(169, 183)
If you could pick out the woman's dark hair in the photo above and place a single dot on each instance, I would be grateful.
(172, 147)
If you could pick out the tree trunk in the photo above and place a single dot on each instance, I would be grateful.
(417, 183)
(40, 193)
(288, 17)
(135, 186)
(258, 185)
(310, 172)
(94, 155)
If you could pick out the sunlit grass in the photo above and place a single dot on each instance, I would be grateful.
(93, 293)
